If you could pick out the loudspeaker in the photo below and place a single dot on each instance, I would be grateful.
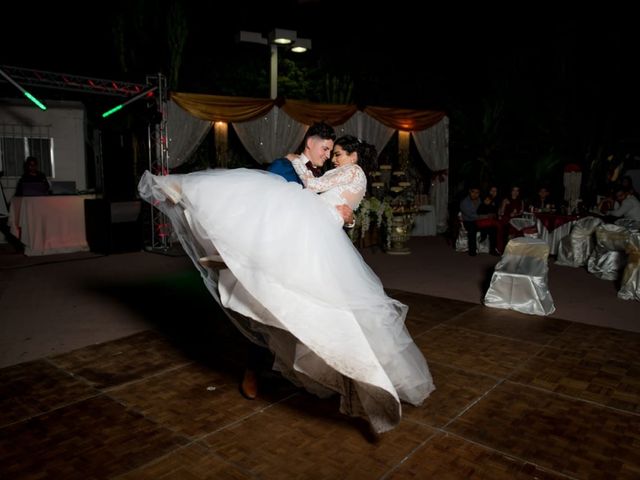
(118, 171)
(113, 227)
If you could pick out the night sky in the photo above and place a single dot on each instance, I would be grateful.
(568, 81)
(431, 59)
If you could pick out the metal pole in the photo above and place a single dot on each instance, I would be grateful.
(274, 72)
(159, 163)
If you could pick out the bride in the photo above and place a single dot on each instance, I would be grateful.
(303, 289)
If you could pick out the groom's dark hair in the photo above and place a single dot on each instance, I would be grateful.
(322, 130)
(319, 129)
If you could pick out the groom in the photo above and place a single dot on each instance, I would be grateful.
(317, 146)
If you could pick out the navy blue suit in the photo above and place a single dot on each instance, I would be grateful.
(284, 168)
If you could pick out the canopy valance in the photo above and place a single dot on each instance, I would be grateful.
(216, 108)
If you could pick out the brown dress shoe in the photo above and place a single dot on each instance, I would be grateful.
(249, 385)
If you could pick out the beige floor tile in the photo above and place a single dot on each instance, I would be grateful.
(586, 374)
(474, 351)
(507, 323)
(123, 360)
(615, 344)
(448, 457)
(569, 436)
(455, 390)
(195, 400)
(96, 438)
(194, 462)
(425, 312)
(305, 437)
(36, 387)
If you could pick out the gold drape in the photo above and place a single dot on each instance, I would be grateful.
(308, 113)
(404, 118)
(217, 108)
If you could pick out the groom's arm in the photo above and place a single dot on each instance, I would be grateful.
(347, 215)
(345, 211)
(283, 167)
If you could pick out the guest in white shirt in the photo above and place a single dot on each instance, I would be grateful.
(626, 206)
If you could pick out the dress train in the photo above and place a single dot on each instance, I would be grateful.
(300, 285)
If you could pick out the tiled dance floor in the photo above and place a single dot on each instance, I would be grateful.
(517, 397)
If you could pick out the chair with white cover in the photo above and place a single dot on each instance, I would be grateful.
(520, 279)
(630, 285)
(525, 226)
(462, 240)
(609, 256)
(576, 247)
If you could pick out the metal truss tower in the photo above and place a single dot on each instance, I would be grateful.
(157, 129)
(159, 160)
(74, 83)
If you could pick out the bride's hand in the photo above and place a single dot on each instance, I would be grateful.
(346, 213)
(291, 156)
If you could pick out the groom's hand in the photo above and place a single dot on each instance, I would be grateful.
(347, 215)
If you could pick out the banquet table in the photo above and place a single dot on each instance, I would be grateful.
(553, 227)
(49, 224)
(424, 223)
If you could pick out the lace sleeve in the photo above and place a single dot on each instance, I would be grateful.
(331, 179)
(302, 171)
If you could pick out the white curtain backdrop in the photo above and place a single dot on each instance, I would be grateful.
(271, 136)
(185, 133)
(572, 182)
(433, 146)
(366, 128)
(276, 134)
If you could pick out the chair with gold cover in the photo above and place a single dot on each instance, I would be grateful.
(609, 257)
(520, 279)
(576, 247)
(630, 285)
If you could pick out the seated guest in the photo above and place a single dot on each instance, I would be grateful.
(512, 206)
(31, 175)
(626, 205)
(607, 201)
(489, 205)
(469, 210)
(543, 201)
(627, 184)
(488, 217)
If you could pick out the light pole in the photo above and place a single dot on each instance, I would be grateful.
(275, 38)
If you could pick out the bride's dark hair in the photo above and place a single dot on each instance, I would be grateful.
(367, 153)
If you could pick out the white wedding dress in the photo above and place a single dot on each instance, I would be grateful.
(301, 286)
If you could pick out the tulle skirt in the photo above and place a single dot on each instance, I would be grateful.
(303, 289)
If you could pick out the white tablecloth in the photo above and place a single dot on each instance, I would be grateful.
(49, 224)
(424, 223)
(554, 236)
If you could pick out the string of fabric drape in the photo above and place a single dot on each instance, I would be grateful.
(185, 133)
(433, 147)
(366, 128)
(270, 136)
